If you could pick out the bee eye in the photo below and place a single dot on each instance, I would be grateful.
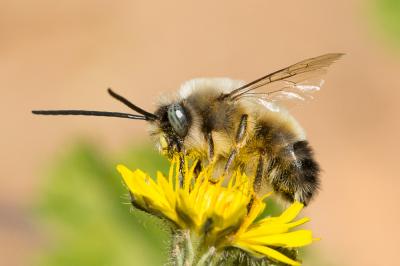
(178, 119)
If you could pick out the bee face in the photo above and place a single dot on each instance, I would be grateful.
(174, 121)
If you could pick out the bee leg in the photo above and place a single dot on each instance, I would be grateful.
(198, 168)
(239, 140)
(260, 170)
(242, 130)
(181, 169)
(299, 178)
(210, 143)
(230, 160)
(257, 179)
(307, 172)
(250, 204)
(259, 173)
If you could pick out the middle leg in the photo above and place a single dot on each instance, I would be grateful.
(240, 139)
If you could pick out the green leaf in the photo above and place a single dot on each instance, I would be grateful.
(85, 213)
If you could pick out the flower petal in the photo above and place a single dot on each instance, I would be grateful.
(266, 251)
(290, 240)
(223, 214)
(290, 213)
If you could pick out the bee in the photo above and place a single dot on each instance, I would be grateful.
(237, 125)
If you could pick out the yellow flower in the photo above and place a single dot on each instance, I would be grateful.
(220, 215)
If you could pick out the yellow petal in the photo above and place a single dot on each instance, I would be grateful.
(167, 190)
(299, 222)
(126, 174)
(290, 213)
(263, 230)
(256, 208)
(269, 252)
(290, 240)
(221, 208)
(270, 225)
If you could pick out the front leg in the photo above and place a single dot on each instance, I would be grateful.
(181, 151)
(181, 170)
(240, 139)
(200, 163)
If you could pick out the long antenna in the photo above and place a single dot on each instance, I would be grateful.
(90, 113)
(136, 108)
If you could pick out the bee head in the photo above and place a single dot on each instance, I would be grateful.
(174, 122)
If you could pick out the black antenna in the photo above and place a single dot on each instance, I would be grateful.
(118, 97)
(90, 113)
(145, 115)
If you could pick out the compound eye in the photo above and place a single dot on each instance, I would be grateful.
(178, 119)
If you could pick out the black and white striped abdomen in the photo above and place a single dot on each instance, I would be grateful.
(289, 167)
(293, 172)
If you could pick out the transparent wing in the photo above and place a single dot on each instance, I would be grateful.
(292, 84)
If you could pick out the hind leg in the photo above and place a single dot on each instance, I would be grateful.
(307, 172)
(294, 174)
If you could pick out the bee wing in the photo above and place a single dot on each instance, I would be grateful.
(295, 83)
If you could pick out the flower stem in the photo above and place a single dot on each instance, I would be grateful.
(207, 257)
(189, 251)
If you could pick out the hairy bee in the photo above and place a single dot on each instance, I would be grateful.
(236, 125)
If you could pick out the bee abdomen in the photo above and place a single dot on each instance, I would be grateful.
(293, 172)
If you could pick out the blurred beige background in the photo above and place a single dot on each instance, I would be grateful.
(64, 54)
